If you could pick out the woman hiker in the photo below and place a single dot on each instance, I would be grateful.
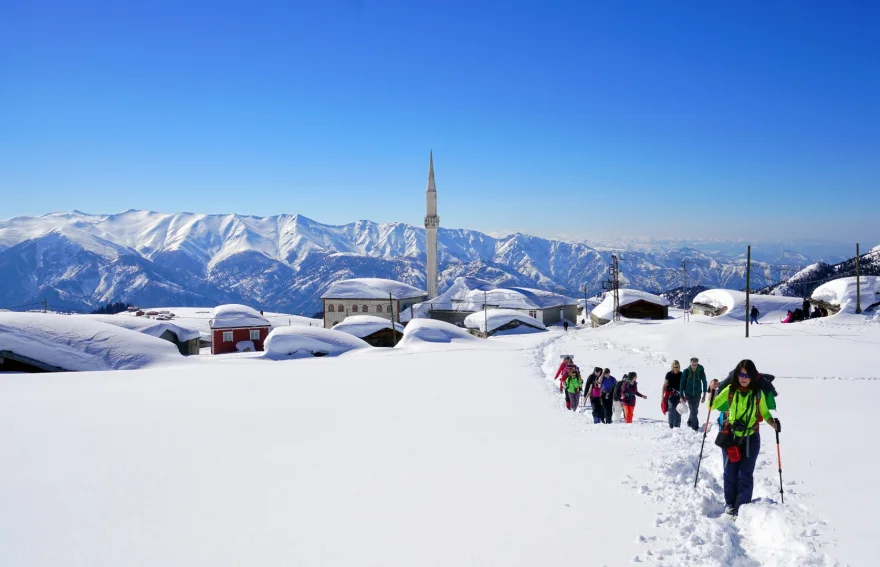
(745, 406)
(608, 384)
(593, 392)
(672, 394)
(561, 375)
(628, 394)
(573, 383)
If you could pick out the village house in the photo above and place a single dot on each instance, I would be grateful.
(634, 304)
(237, 328)
(383, 298)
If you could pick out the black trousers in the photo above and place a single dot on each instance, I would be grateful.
(607, 409)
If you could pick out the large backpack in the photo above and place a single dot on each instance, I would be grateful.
(615, 394)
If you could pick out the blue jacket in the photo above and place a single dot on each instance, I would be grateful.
(693, 384)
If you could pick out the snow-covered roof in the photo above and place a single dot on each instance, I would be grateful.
(145, 325)
(733, 302)
(235, 316)
(605, 310)
(304, 342)
(498, 318)
(371, 288)
(433, 331)
(842, 291)
(365, 325)
(80, 343)
(469, 294)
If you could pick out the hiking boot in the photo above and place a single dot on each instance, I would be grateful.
(730, 511)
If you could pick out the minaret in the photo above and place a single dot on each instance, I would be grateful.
(432, 221)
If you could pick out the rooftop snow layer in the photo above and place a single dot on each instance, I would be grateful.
(365, 325)
(771, 306)
(234, 315)
(79, 343)
(433, 331)
(146, 325)
(371, 288)
(469, 294)
(304, 342)
(842, 292)
(605, 310)
(498, 318)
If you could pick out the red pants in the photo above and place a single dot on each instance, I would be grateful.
(628, 413)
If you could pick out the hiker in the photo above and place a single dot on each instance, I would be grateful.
(593, 389)
(628, 394)
(787, 317)
(753, 316)
(823, 312)
(693, 390)
(744, 403)
(561, 374)
(565, 326)
(806, 308)
(609, 382)
(672, 394)
(573, 383)
(616, 403)
(816, 313)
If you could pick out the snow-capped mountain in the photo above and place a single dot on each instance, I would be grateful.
(284, 262)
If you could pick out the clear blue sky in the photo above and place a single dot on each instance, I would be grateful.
(581, 119)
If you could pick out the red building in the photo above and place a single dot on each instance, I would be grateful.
(238, 328)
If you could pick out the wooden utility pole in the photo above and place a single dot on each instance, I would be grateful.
(615, 272)
(391, 316)
(858, 281)
(748, 286)
(685, 298)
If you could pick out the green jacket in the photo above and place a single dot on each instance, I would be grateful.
(693, 384)
(573, 383)
(743, 409)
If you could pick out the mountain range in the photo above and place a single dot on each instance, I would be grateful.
(76, 260)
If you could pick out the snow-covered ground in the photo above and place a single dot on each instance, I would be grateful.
(447, 450)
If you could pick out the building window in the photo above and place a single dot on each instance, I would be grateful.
(255, 334)
(331, 308)
(227, 336)
(378, 309)
(339, 308)
(533, 314)
(354, 308)
(364, 308)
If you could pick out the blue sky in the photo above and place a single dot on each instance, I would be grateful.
(577, 119)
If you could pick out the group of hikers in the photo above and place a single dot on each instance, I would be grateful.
(801, 313)
(744, 399)
(605, 392)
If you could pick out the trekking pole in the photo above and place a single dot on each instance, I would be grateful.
(779, 460)
(705, 432)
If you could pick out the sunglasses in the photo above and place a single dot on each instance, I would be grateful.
(744, 375)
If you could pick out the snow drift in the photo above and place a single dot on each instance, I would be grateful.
(305, 342)
(496, 318)
(80, 343)
(147, 326)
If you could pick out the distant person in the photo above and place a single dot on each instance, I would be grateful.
(753, 316)
(628, 394)
(823, 311)
(816, 313)
(565, 326)
(609, 382)
(616, 403)
(806, 307)
(788, 317)
(744, 403)
(672, 394)
(573, 383)
(693, 390)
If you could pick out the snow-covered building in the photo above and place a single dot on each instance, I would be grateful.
(732, 303)
(185, 339)
(307, 342)
(502, 322)
(469, 295)
(840, 295)
(369, 296)
(377, 331)
(237, 328)
(47, 342)
(634, 304)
